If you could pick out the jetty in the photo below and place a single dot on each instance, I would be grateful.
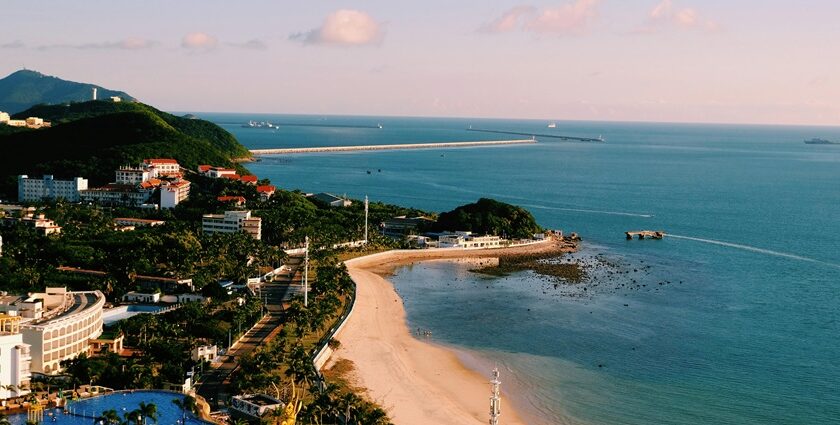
(542, 135)
(288, 151)
(645, 234)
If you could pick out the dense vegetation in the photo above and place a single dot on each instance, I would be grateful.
(92, 139)
(25, 88)
(488, 216)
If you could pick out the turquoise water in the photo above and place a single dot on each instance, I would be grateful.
(743, 328)
(84, 411)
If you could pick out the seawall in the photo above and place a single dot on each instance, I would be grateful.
(287, 151)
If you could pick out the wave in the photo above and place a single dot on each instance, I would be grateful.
(755, 249)
(583, 210)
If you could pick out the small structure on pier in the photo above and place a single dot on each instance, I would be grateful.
(645, 234)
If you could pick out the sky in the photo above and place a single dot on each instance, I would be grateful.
(746, 61)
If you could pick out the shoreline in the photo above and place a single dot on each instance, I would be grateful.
(416, 382)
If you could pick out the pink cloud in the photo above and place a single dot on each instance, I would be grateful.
(665, 13)
(199, 40)
(566, 19)
(344, 27)
(510, 20)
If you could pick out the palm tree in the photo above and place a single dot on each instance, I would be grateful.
(148, 410)
(4, 420)
(110, 417)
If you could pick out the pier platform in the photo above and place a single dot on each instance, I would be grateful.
(287, 151)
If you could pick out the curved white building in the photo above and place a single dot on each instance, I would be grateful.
(58, 325)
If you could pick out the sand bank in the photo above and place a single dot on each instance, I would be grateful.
(415, 381)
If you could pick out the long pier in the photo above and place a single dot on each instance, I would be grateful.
(288, 151)
(553, 136)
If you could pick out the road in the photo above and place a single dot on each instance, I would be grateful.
(214, 384)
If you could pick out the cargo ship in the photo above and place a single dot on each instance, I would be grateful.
(816, 141)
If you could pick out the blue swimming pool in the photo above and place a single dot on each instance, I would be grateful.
(116, 314)
(84, 411)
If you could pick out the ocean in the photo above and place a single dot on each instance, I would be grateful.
(733, 318)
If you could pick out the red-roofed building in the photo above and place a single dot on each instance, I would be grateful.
(230, 176)
(236, 200)
(171, 194)
(163, 166)
(218, 172)
(266, 191)
(203, 169)
(249, 179)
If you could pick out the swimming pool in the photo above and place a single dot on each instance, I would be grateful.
(113, 315)
(84, 411)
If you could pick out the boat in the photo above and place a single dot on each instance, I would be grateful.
(259, 124)
(552, 125)
(817, 141)
(380, 126)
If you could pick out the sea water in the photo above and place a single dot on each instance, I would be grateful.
(733, 318)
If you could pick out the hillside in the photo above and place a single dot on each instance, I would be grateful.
(91, 139)
(488, 216)
(25, 88)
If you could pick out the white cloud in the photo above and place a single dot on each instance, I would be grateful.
(199, 40)
(566, 19)
(344, 27)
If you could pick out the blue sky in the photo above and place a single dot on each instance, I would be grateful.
(633, 60)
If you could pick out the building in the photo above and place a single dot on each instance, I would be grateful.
(142, 297)
(402, 226)
(132, 175)
(116, 99)
(39, 222)
(266, 191)
(204, 353)
(189, 298)
(115, 194)
(15, 358)
(31, 122)
(232, 200)
(163, 167)
(468, 240)
(108, 342)
(252, 180)
(332, 200)
(4, 117)
(172, 193)
(57, 324)
(48, 188)
(252, 407)
(216, 172)
(137, 222)
(231, 222)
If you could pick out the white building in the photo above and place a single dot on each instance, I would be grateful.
(117, 194)
(253, 407)
(142, 297)
(57, 324)
(15, 359)
(171, 194)
(468, 240)
(132, 175)
(4, 117)
(204, 353)
(232, 222)
(48, 188)
(137, 222)
(332, 200)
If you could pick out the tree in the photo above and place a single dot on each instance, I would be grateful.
(149, 411)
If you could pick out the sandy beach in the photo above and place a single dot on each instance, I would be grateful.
(415, 381)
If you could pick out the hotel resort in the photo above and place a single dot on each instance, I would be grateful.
(39, 331)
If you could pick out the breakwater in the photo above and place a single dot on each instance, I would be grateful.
(553, 136)
(286, 151)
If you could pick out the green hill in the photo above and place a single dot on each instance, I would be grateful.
(491, 217)
(25, 88)
(91, 139)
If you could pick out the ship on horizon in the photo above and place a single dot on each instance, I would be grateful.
(818, 141)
